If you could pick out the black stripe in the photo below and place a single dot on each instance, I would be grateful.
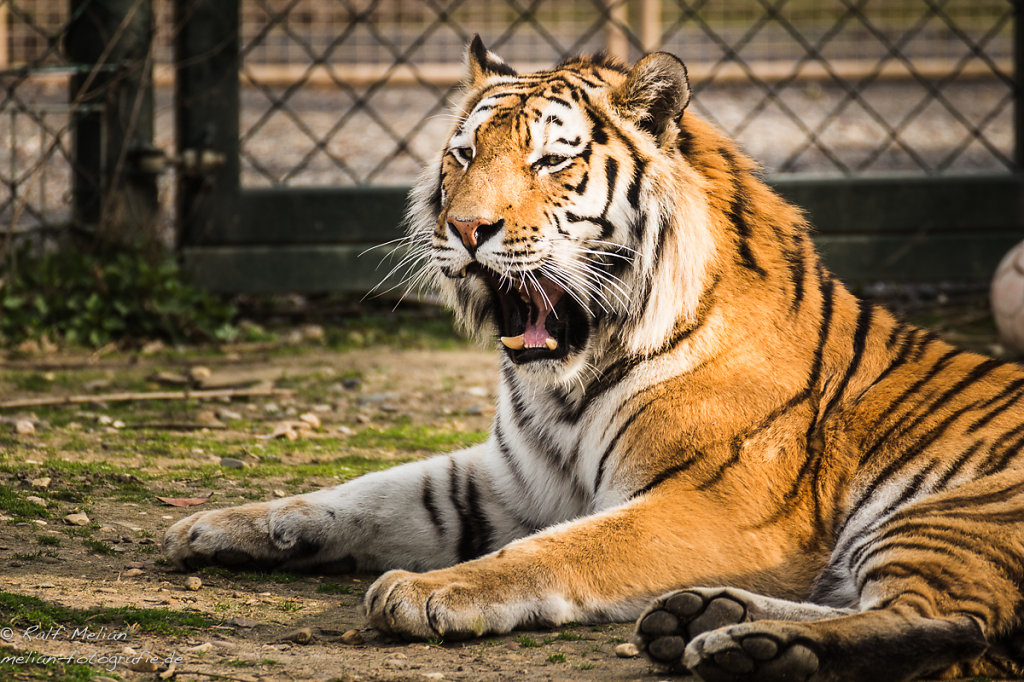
(430, 505)
(738, 217)
(812, 462)
(614, 441)
(798, 274)
(482, 531)
(664, 476)
(606, 227)
(611, 170)
(510, 461)
(860, 336)
(897, 569)
(958, 464)
(464, 546)
(914, 450)
(539, 442)
(1001, 453)
(633, 194)
(1009, 395)
(582, 186)
(898, 402)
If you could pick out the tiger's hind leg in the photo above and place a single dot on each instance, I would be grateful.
(938, 584)
(673, 620)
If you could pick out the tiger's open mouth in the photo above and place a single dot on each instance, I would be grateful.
(536, 318)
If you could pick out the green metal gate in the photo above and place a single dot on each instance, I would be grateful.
(925, 226)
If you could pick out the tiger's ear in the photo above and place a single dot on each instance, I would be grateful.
(484, 64)
(655, 93)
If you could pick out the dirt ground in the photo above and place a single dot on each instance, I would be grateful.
(89, 597)
(111, 461)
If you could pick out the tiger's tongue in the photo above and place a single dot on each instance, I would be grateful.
(544, 298)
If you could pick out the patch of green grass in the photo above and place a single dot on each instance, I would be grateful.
(32, 665)
(528, 642)
(586, 665)
(237, 663)
(289, 606)
(280, 577)
(99, 547)
(49, 540)
(77, 531)
(11, 503)
(76, 481)
(556, 658)
(415, 437)
(424, 329)
(27, 556)
(22, 610)
(335, 588)
(566, 637)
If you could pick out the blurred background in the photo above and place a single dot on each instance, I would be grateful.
(265, 144)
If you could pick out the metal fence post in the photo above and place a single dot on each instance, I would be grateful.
(1018, 84)
(113, 197)
(206, 101)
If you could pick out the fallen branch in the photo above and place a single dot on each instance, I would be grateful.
(254, 392)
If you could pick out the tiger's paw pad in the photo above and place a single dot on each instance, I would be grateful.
(673, 620)
(751, 652)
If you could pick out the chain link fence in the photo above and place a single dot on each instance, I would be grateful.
(354, 92)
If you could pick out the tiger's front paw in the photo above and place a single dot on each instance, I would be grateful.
(286, 533)
(441, 604)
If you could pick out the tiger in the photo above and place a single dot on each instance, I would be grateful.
(698, 426)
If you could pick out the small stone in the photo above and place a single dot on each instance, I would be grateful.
(152, 347)
(285, 430)
(24, 427)
(243, 622)
(118, 424)
(199, 648)
(300, 636)
(39, 522)
(42, 483)
(280, 493)
(627, 650)
(133, 572)
(395, 663)
(144, 666)
(105, 419)
(193, 583)
(311, 419)
(208, 418)
(352, 637)
(312, 332)
(351, 383)
(229, 415)
(232, 463)
(271, 408)
(477, 391)
(77, 519)
(199, 373)
(35, 499)
(346, 430)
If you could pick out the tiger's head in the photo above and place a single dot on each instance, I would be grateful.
(553, 218)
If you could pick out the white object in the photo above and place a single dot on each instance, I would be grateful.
(1007, 296)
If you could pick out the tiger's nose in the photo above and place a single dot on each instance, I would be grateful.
(474, 232)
